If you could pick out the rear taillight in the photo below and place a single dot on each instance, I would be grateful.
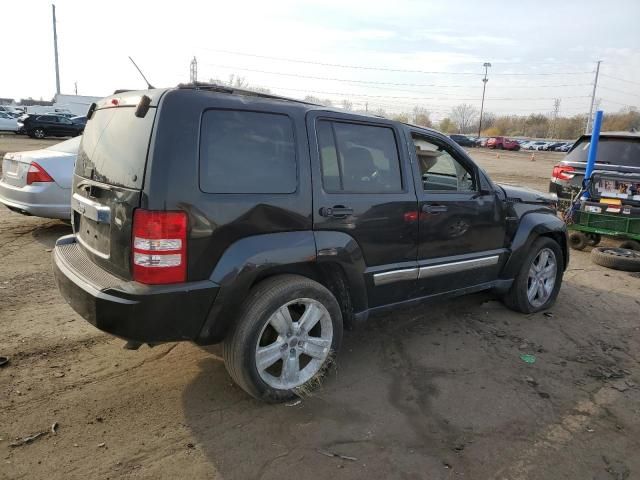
(159, 247)
(37, 174)
(563, 172)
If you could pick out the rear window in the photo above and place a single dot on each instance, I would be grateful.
(612, 151)
(114, 147)
(247, 152)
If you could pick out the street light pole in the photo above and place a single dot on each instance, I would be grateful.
(486, 66)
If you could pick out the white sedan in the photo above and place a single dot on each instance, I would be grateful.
(8, 123)
(38, 182)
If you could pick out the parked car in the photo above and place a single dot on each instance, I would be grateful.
(217, 215)
(80, 120)
(38, 182)
(8, 122)
(463, 140)
(566, 147)
(41, 126)
(481, 141)
(536, 145)
(617, 152)
(503, 143)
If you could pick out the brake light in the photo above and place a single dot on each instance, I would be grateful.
(37, 174)
(563, 172)
(159, 252)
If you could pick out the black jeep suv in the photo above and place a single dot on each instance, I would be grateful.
(211, 215)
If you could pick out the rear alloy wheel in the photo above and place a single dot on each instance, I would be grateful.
(578, 240)
(39, 133)
(285, 338)
(617, 258)
(536, 286)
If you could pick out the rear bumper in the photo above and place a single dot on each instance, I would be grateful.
(47, 200)
(126, 309)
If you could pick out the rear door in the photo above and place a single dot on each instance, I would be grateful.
(108, 180)
(363, 188)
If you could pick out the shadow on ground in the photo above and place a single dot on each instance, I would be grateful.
(429, 392)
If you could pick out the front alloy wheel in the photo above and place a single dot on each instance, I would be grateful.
(542, 277)
(39, 133)
(538, 282)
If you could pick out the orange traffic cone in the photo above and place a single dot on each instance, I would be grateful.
(533, 157)
(497, 155)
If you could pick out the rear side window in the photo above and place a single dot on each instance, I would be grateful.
(358, 158)
(247, 152)
(612, 151)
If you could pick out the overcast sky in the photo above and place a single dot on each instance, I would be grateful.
(552, 46)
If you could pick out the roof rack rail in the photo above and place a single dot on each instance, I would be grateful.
(215, 87)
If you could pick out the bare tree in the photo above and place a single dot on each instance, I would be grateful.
(347, 105)
(421, 117)
(464, 115)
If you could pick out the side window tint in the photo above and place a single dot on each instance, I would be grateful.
(358, 158)
(440, 170)
(247, 152)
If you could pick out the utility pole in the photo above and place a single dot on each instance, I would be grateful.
(194, 71)
(593, 98)
(75, 84)
(486, 65)
(55, 48)
(554, 118)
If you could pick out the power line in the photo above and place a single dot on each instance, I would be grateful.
(383, 69)
(313, 77)
(620, 91)
(620, 79)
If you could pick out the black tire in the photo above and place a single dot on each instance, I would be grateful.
(630, 245)
(39, 133)
(239, 348)
(500, 147)
(594, 239)
(516, 298)
(578, 240)
(616, 258)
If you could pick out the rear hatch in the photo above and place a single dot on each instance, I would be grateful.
(615, 154)
(109, 177)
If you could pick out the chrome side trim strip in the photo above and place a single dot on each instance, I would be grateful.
(92, 210)
(461, 266)
(395, 276)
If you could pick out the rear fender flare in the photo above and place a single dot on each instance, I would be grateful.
(252, 258)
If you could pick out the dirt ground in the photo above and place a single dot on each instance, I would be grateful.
(435, 392)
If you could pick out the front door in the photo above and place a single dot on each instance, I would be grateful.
(461, 226)
(363, 188)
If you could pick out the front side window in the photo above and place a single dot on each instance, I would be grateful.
(358, 158)
(440, 170)
(247, 152)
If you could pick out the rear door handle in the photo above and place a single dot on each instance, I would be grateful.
(429, 208)
(337, 211)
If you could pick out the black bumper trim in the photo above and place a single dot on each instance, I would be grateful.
(134, 311)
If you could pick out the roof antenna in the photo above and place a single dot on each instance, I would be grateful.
(149, 86)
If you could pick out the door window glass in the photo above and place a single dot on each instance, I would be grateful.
(358, 158)
(440, 170)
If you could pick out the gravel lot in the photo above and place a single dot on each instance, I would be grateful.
(435, 392)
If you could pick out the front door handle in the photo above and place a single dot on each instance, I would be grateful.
(338, 211)
(430, 208)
